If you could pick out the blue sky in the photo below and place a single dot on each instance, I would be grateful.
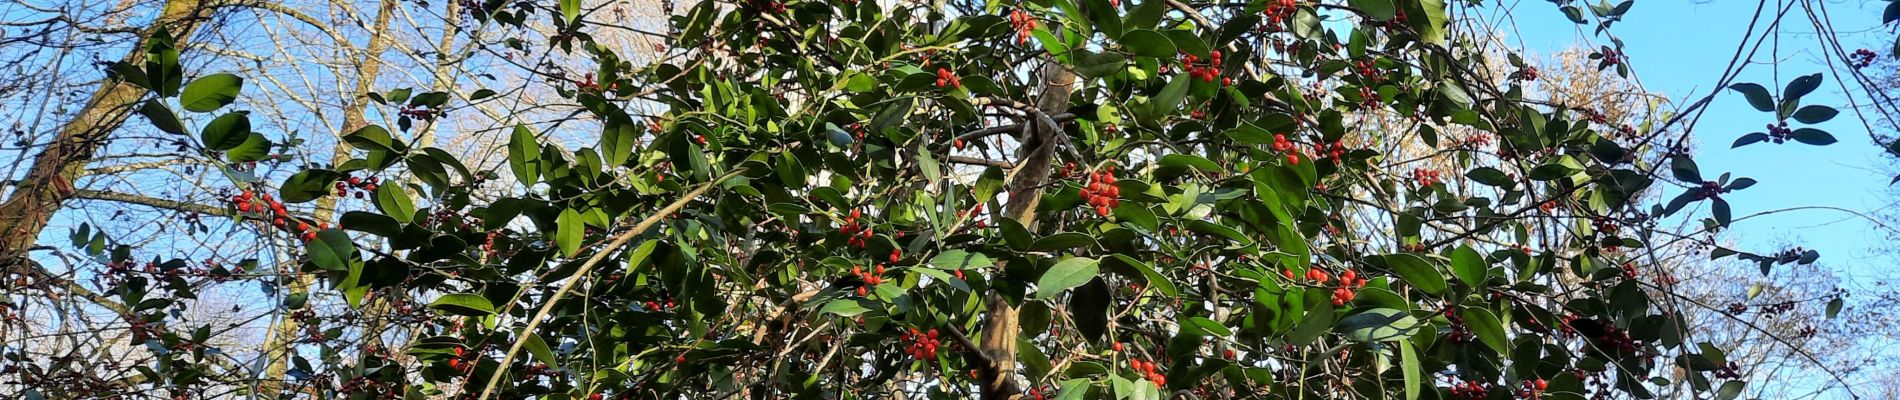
(1680, 48)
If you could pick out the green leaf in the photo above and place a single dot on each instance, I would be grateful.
(1490, 177)
(1096, 65)
(1834, 307)
(1206, 327)
(1749, 139)
(1145, 15)
(1222, 231)
(1732, 389)
(1487, 328)
(371, 137)
(570, 11)
(1801, 86)
(524, 156)
(1066, 274)
(254, 148)
(1248, 133)
(1469, 266)
(1815, 114)
(1551, 171)
(1074, 389)
(1169, 99)
(959, 259)
(1685, 169)
(307, 185)
(395, 202)
(1757, 96)
(1126, 265)
(1060, 241)
(1812, 136)
(1319, 317)
(1720, 210)
(162, 117)
(538, 348)
(1088, 307)
(1375, 9)
(226, 131)
(1147, 43)
(372, 223)
(570, 230)
(845, 307)
(618, 136)
(332, 250)
(463, 304)
(210, 92)
(1428, 18)
(1575, 14)
(1378, 325)
(1410, 365)
(1414, 270)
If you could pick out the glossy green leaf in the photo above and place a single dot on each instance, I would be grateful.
(1068, 273)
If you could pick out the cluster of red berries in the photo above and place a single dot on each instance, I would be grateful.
(855, 232)
(1528, 73)
(773, 6)
(1533, 388)
(1280, 144)
(1779, 133)
(1205, 73)
(1368, 70)
(1476, 141)
(461, 362)
(588, 84)
(874, 278)
(1861, 58)
(421, 113)
(920, 345)
(1708, 190)
(1459, 333)
(1610, 57)
(1334, 151)
(364, 185)
(488, 244)
(1349, 284)
(972, 213)
(1666, 279)
(653, 305)
(249, 202)
(1278, 11)
(1470, 390)
(1425, 177)
(1024, 24)
(1368, 98)
(1730, 371)
(1101, 192)
(947, 79)
(1147, 370)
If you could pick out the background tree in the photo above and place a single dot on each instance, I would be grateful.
(1277, 199)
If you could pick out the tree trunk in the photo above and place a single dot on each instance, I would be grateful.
(1039, 141)
(284, 334)
(49, 182)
